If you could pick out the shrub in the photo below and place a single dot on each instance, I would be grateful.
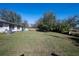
(43, 27)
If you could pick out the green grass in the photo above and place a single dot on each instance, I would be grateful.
(37, 43)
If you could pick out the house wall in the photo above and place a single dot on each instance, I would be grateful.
(20, 29)
(16, 29)
(4, 28)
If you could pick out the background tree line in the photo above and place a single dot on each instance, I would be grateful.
(12, 17)
(49, 23)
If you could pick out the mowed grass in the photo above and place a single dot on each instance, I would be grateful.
(37, 43)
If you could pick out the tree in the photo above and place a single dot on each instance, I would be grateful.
(45, 23)
(73, 21)
(10, 16)
(25, 24)
(49, 18)
(64, 27)
(49, 23)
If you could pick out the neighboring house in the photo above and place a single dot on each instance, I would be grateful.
(74, 30)
(8, 26)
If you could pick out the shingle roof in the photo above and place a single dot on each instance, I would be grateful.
(4, 21)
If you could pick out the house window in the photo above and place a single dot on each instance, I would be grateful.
(11, 26)
(6, 25)
(18, 27)
(1, 24)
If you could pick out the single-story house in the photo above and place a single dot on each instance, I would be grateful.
(74, 30)
(9, 26)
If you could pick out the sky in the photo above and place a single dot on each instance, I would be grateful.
(33, 11)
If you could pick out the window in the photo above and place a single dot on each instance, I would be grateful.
(1, 24)
(18, 27)
(6, 25)
(11, 26)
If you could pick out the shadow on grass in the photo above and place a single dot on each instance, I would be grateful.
(22, 55)
(75, 39)
(53, 54)
(56, 36)
(42, 31)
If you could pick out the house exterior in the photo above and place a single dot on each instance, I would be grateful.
(75, 30)
(8, 26)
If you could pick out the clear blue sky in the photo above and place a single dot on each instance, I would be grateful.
(32, 11)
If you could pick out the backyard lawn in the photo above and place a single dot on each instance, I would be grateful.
(38, 43)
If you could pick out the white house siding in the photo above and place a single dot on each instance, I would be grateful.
(20, 29)
(4, 28)
(1, 29)
(16, 29)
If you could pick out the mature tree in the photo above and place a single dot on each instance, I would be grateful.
(10, 16)
(49, 18)
(46, 22)
(49, 23)
(64, 26)
(73, 21)
(25, 24)
(69, 23)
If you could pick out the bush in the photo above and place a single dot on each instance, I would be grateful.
(43, 27)
(64, 28)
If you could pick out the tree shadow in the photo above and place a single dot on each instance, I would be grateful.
(22, 55)
(56, 36)
(53, 54)
(75, 40)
